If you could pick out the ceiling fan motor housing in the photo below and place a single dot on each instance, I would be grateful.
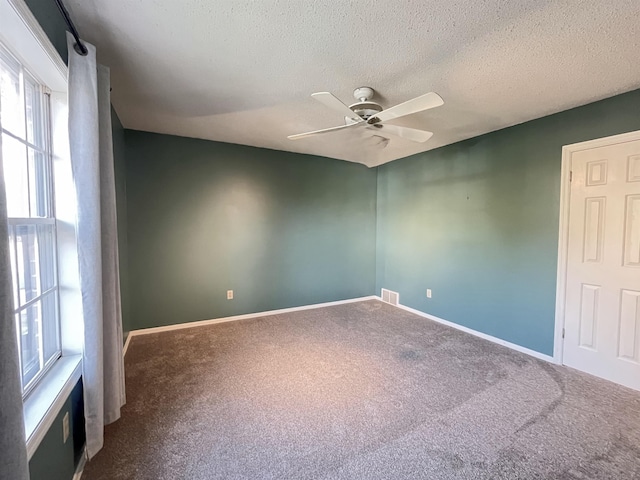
(365, 108)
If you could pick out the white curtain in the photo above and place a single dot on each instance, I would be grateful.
(91, 150)
(13, 446)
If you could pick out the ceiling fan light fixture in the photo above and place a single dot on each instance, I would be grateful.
(366, 109)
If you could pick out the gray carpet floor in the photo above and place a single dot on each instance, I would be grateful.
(360, 391)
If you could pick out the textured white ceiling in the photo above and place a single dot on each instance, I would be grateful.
(241, 71)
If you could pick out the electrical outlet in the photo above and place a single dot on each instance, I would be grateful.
(428, 293)
(65, 428)
(229, 294)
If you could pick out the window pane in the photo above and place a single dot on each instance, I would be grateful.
(38, 184)
(33, 112)
(10, 98)
(46, 253)
(14, 274)
(28, 264)
(51, 337)
(24, 110)
(30, 341)
(16, 176)
(28, 176)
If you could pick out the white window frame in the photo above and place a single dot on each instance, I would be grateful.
(43, 146)
(21, 33)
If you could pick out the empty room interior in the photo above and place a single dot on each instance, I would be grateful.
(264, 239)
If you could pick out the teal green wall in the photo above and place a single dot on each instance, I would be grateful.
(280, 229)
(51, 21)
(119, 155)
(477, 222)
(55, 459)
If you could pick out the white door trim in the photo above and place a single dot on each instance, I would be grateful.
(563, 240)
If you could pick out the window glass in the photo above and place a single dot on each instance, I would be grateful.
(39, 187)
(16, 174)
(28, 266)
(30, 322)
(51, 329)
(47, 265)
(26, 158)
(33, 112)
(11, 98)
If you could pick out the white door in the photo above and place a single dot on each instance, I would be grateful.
(602, 309)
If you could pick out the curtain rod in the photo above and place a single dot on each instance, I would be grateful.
(79, 46)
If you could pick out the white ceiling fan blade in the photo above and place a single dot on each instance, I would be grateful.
(318, 132)
(418, 104)
(334, 103)
(412, 134)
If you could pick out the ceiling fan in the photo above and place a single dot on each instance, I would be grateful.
(367, 114)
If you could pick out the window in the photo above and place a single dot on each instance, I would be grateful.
(28, 171)
(42, 217)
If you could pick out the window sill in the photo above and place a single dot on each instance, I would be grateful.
(43, 404)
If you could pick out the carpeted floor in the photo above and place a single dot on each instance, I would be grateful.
(360, 391)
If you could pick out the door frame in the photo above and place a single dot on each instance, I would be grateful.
(563, 231)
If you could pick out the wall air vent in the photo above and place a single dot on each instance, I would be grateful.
(390, 297)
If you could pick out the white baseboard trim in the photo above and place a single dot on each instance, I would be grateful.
(202, 323)
(126, 344)
(499, 341)
(81, 463)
